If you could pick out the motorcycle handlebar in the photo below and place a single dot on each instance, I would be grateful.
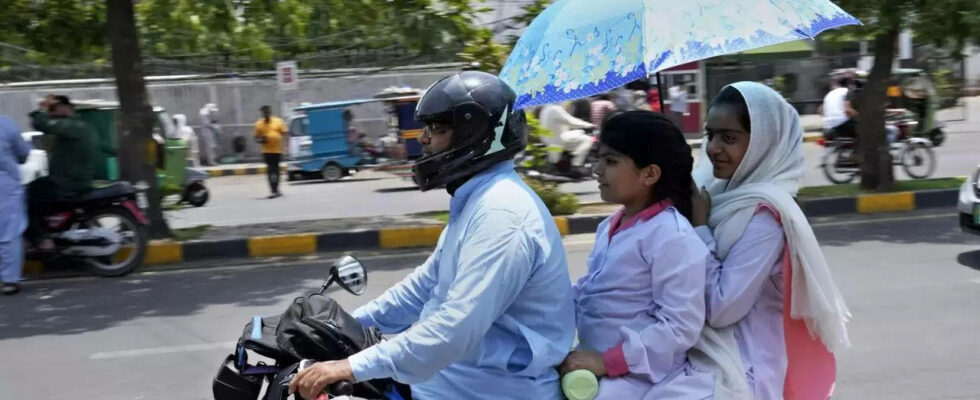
(342, 388)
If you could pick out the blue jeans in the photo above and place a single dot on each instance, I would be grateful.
(11, 260)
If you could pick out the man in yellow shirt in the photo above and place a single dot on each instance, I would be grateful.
(270, 131)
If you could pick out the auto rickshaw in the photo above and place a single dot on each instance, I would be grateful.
(320, 144)
(174, 177)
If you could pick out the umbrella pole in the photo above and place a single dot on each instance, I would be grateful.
(660, 92)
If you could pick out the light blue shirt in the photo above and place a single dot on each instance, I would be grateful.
(490, 314)
(13, 150)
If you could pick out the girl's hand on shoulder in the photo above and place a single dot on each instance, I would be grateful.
(700, 205)
(584, 359)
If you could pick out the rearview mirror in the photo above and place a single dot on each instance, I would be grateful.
(350, 274)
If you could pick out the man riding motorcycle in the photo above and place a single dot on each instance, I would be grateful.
(490, 313)
(71, 162)
(570, 134)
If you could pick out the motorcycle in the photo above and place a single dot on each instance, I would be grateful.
(105, 229)
(313, 327)
(562, 171)
(914, 154)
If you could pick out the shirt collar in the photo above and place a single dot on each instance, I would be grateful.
(617, 224)
(463, 193)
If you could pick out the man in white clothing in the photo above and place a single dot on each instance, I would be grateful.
(838, 113)
(569, 132)
(678, 103)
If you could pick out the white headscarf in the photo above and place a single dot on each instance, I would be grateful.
(771, 172)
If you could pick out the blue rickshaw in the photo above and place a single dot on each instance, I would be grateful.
(321, 142)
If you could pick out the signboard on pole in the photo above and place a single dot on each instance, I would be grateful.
(905, 45)
(287, 76)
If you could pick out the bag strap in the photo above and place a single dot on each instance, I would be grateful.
(279, 384)
(261, 370)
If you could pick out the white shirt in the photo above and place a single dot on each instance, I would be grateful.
(490, 315)
(678, 100)
(644, 293)
(555, 119)
(746, 290)
(833, 108)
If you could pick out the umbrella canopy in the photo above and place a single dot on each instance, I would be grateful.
(578, 48)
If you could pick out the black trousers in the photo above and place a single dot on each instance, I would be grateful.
(42, 196)
(272, 169)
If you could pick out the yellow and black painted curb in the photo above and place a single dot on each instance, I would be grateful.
(167, 252)
(880, 202)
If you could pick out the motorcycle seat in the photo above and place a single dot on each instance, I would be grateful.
(115, 189)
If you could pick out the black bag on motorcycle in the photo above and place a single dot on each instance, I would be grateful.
(318, 328)
(315, 328)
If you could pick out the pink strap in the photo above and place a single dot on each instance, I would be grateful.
(615, 362)
(811, 369)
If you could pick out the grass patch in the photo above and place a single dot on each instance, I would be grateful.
(854, 189)
(191, 233)
(442, 216)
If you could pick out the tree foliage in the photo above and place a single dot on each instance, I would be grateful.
(947, 24)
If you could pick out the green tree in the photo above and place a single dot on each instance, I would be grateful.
(56, 31)
(948, 24)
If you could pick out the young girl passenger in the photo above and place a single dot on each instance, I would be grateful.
(641, 306)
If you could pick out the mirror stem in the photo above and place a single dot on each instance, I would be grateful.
(329, 282)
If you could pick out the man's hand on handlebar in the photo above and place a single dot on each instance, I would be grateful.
(312, 381)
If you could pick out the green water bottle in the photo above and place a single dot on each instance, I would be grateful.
(580, 384)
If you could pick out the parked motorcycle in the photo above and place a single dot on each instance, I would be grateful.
(105, 229)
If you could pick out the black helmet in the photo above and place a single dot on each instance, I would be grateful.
(486, 129)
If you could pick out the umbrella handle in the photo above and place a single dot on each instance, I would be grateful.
(660, 91)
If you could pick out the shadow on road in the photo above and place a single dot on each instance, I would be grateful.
(398, 189)
(970, 259)
(72, 306)
(323, 182)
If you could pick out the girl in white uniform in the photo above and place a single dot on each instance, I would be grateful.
(772, 307)
(640, 307)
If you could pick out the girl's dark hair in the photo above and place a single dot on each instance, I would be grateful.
(582, 109)
(652, 138)
(732, 98)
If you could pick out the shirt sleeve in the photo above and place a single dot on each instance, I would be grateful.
(734, 284)
(257, 128)
(61, 127)
(571, 120)
(678, 265)
(20, 146)
(495, 262)
(400, 306)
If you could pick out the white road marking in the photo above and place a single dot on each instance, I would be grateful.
(977, 281)
(162, 350)
(878, 220)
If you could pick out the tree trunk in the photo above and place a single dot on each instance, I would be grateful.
(876, 161)
(137, 155)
